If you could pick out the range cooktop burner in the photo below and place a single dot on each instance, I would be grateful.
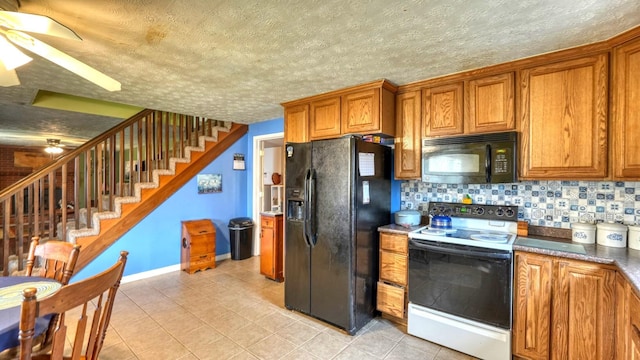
(487, 226)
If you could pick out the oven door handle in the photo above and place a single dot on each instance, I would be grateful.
(452, 251)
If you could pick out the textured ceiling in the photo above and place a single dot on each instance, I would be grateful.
(237, 60)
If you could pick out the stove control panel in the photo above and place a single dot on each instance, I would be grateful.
(475, 211)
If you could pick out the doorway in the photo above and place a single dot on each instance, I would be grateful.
(268, 153)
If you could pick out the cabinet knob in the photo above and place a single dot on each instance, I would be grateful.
(184, 243)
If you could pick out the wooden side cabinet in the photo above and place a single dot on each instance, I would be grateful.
(563, 309)
(198, 245)
(392, 286)
(271, 246)
(564, 119)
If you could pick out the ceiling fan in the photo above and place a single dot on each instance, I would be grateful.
(12, 25)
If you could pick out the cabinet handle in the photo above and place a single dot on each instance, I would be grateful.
(636, 330)
(184, 243)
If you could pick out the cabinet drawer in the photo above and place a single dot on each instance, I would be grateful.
(390, 299)
(266, 222)
(393, 267)
(394, 242)
(201, 259)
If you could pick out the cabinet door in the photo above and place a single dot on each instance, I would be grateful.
(489, 104)
(267, 250)
(622, 317)
(634, 327)
(408, 141)
(626, 108)
(583, 311)
(296, 122)
(361, 112)
(564, 120)
(442, 110)
(532, 306)
(325, 118)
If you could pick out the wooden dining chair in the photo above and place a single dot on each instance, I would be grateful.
(53, 259)
(92, 298)
(57, 259)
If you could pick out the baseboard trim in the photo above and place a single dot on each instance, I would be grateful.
(161, 271)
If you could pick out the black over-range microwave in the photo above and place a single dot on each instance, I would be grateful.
(472, 159)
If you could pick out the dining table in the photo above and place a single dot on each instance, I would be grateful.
(11, 288)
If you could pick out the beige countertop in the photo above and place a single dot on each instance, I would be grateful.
(399, 229)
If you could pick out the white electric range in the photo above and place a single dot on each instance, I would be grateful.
(460, 279)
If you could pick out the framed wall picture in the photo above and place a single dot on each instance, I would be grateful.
(209, 183)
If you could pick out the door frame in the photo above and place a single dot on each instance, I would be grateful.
(258, 186)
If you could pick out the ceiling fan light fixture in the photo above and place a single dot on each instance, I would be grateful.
(53, 147)
(10, 56)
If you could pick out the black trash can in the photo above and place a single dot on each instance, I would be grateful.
(241, 237)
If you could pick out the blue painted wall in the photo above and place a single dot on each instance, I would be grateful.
(155, 242)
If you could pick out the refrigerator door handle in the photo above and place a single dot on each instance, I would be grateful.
(311, 214)
(305, 221)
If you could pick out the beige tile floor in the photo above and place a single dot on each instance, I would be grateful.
(233, 312)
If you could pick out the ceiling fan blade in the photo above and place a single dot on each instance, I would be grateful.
(58, 57)
(10, 56)
(8, 77)
(37, 24)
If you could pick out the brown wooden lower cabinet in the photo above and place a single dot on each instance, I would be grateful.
(633, 327)
(271, 252)
(391, 296)
(563, 309)
(627, 321)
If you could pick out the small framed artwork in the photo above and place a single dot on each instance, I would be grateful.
(238, 161)
(209, 183)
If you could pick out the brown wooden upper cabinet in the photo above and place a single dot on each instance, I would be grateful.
(296, 123)
(489, 104)
(564, 119)
(363, 109)
(408, 141)
(442, 110)
(626, 111)
(325, 119)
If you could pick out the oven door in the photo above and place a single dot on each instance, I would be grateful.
(466, 281)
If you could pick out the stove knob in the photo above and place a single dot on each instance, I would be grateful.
(500, 212)
(510, 212)
(479, 211)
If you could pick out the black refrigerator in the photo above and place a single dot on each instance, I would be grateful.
(337, 193)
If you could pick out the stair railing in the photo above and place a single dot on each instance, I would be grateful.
(63, 195)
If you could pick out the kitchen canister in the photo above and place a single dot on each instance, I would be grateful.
(612, 234)
(584, 233)
(634, 237)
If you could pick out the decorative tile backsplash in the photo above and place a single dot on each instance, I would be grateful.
(541, 203)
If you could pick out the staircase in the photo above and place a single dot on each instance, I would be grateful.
(104, 188)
